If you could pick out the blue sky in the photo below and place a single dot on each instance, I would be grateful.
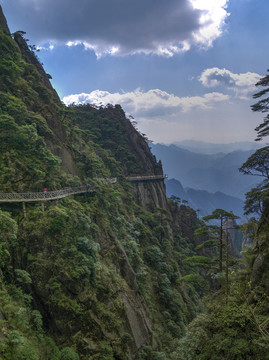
(185, 69)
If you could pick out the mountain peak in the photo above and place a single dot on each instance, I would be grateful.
(3, 21)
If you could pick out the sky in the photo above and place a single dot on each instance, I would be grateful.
(184, 69)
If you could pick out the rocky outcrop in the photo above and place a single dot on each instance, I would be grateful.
(235, 236)
(3, 21)
(57, 139)
(92, 280)
(141, 151)
(30, 57)
(260, 268)
(150, 194)
(138, 323)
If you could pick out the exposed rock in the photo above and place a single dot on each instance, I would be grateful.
(257, 268)
(260, 269)
(150, 194)
(137, 321)
(3, 21)
(235, 235)
(68, 164)
(139, 324)
(125, 267)
(142, 151)
(57, 140)
(30, 57)
(87, 300)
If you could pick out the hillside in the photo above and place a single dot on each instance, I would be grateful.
(117, 271)
(94, 275)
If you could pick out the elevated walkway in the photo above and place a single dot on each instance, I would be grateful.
(62, 193)
(146, 178)
(43, 196)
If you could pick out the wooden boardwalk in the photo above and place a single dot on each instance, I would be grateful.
(62, 193)
(146, 178)
(43, 196)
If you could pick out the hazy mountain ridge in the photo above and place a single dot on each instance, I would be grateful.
(218, 172)
(212, 148)
(203, 201)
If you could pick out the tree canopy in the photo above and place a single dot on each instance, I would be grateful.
(219, 214)
(257, 164)
(262, 106)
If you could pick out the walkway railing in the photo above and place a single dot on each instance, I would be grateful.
(59, 194)
(43, 196)
(146, 178)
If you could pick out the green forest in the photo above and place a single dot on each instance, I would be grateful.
(121, 272)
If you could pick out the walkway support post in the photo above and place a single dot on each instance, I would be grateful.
(24, 209)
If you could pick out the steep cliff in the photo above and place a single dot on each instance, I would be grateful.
(27, 96)
(111, 129)
(260, 263)
(93, 275)
(3, 21)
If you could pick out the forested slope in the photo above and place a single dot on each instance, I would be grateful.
(117, 273)
(235, 324)
(93, 276)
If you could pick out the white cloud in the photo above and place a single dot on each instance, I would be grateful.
(154, 102)
(242, 84)
(212, 20)
(46, 47)
(165, 117)
(99, 50)
(122, 27)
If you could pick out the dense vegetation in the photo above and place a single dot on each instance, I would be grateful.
(94, 275)
(108, 127)
(97, 276)
(237, 326)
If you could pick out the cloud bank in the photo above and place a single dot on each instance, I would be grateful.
(155, 101)
(150, 103)
(122, 27)
(166, 117)
(241, 84)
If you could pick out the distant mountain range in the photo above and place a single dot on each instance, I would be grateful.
(207, 181)
(216, 172)
(201, 147)
(204, 202)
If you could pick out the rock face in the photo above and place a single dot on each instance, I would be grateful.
(139, 324)
(260, 268)
(235, 237)
(118, 135)
(57, 139)
(150, 195)
(141, 151)
(31, 58)
(101, 270)
(3, 21)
